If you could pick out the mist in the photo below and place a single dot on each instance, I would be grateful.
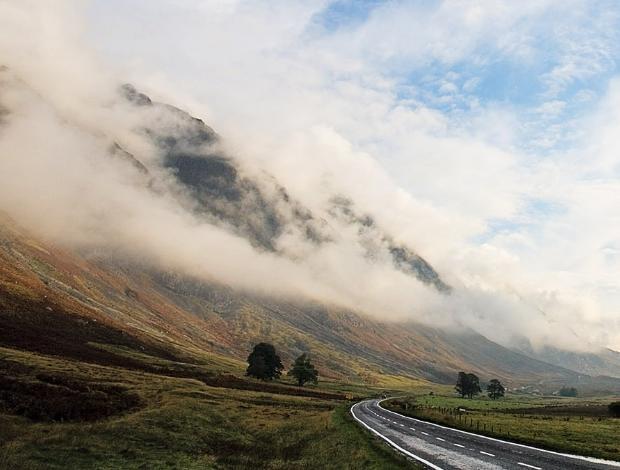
(64, 111)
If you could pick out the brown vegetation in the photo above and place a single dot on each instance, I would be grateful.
(54, 397)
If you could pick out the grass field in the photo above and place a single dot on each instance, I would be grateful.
(181, 423)
(162, 414)
(574, 425)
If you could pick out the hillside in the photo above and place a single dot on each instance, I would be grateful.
(57, 302)
(93, 300)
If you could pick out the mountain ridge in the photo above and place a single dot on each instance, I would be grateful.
(220, 189)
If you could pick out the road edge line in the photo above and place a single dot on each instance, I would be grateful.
(392, 443)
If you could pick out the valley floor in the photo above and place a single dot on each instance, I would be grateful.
(160, 414)
(169, 422)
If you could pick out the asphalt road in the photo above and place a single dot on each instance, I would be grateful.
(439, 447)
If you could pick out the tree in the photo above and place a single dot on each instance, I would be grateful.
(495, 389)
(461, 384)
(304, 371)
(257, 367)
(474, 385)
(568, 392)
(614, 409)
(264, 363)
(467, 385)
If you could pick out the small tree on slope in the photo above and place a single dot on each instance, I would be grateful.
(264, 363)
(304, 371)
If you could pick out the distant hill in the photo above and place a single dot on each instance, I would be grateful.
(605, 362)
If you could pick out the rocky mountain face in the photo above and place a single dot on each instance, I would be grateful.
(261, 211)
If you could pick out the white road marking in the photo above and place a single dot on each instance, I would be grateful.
(413, 429)
(393, 444)
(611, 463)
(440, 439)
(459, 445)
(486, 453)
(403, 425)
(528, 466)
(425, 433)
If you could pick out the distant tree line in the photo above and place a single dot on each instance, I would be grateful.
(265, 364)
(568, 392)
(468, 385)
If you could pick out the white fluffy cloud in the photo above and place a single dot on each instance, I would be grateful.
(391, 109)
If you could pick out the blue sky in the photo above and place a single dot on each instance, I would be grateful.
(344, 14)
(571, 57)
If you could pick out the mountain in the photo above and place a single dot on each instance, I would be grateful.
(605, 362)
(261, 211)
(97, 309)
(101, 306)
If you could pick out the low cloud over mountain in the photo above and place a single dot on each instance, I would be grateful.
(292, 211)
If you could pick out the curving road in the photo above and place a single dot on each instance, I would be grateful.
(442, 448)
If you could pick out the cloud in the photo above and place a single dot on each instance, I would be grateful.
(550, 109)
(329, 111)
(585, 41)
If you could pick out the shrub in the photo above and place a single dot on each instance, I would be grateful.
(60, 398)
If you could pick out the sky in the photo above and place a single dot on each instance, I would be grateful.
(482, 133)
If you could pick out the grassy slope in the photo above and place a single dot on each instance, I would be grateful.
(186, 424)
(172, 316)
(570, 425)
(353, 347)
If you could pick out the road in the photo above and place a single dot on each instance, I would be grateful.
(442, 448)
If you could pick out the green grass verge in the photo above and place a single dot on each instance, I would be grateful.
(539, 425)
